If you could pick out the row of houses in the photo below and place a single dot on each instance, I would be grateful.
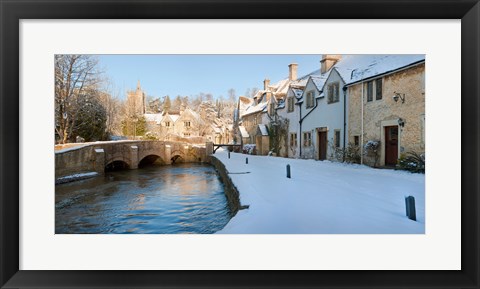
(370, 107)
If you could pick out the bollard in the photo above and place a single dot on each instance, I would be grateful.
(246, 161)
(228, 154)
(288, 171)
(410, 207)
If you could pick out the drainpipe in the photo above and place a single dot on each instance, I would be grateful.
(300, 132)
(361, 136)
(344, 118)
(301, 120)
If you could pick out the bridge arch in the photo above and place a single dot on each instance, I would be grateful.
(151, 159)
(117, 164)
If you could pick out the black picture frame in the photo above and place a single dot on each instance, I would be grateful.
(12, 11)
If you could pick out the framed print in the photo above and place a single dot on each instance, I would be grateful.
(401, 79)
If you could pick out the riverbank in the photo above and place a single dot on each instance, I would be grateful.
(321, 197)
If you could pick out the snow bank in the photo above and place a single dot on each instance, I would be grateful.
(75, 177)
(321, 197)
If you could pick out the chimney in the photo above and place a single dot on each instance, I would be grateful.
(292, 71)
(266, 83)
(328, 60)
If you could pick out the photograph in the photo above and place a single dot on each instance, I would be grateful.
(239, 143)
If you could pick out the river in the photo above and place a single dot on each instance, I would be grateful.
(176, 199)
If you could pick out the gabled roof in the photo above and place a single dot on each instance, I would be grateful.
(319, 80)
(354, 68)
(262, 130)
(297, 92)
(243, 131)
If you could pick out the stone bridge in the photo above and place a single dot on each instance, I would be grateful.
(101, 156)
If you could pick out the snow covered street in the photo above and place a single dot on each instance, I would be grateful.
(321, 197)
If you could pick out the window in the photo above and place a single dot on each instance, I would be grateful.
(307, 139)
(336, 138)
(370, 91)
(186, 124)
(186, 134)
(378, 89)
(167, 123)
(290, 104)
(333, 92)
(356, 140)
(310, 97)
(293, 139)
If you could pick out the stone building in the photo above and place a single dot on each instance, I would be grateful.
(386, 105)
(136, 102)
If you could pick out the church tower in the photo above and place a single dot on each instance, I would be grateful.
(136, 101)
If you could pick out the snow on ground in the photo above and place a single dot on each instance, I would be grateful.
(322, 197)
(75, 177)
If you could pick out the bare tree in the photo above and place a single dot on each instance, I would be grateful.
(75, 76)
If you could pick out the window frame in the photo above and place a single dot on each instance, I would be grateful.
(333, 92)
(309, 101)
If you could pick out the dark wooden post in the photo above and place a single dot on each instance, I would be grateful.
(246, 161)
(288, 171)
(228, 154)
(410, 207)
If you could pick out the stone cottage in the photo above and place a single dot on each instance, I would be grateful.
(386, 105)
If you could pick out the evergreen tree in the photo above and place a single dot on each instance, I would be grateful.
(167, 104)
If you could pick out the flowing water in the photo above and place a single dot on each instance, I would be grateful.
(177, 199)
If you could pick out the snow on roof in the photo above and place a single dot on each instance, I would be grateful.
(297, 92)
(319, 80)
(263, 129)
(216, 129)
(153, 117)
(353, 68)
(243, 131)
(255, 108)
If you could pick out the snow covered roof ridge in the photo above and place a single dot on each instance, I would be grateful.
(355, 68)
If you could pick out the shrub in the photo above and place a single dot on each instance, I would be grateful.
(352, 154)
(249, 149)
(372, 148)
(412, 162)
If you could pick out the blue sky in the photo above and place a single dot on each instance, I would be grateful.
(188, 75)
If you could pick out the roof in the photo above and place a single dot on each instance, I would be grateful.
(297, 92)
(319, 80)
(262, 129)
(243, 131)
(255, 108)
(153, 117)
(354, 68)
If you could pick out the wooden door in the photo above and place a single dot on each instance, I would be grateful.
(322, 145)
(391, 145)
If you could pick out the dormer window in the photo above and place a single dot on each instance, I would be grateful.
(310, 99)
(167, 123)
(333, 92)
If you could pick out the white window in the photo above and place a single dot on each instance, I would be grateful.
(310, 99)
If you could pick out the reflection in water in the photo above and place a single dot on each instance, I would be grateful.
(187, 198)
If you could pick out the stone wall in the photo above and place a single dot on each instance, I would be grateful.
(386, 112)
(81, 160)
(231, 192)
